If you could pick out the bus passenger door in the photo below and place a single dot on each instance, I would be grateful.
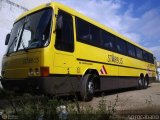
(64, 44)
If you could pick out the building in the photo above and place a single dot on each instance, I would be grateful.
(158, 71)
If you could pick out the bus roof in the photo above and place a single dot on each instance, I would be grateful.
(77, 14)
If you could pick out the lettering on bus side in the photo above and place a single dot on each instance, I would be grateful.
(114, 59)
(30, 60)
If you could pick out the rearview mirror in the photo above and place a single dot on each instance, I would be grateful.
(7, 39)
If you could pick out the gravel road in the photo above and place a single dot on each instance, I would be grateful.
(130, 99)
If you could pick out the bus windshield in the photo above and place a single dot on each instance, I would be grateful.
(33, 31)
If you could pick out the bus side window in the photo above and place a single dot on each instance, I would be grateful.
(108, 41)
(64, 32)
(95, 33)
(131, 50)
(87, 33)
(83, 31)
(145, 56)
(139, 53)
(121, 45)
(151, 59)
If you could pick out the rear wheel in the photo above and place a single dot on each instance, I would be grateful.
(143, 82)
(146, 82)
(88, 86)
(140, 83)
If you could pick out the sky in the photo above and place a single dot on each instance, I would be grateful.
(138, 20)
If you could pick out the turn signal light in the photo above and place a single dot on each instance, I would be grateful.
(36, 71)
(44, 71)
(30, 72)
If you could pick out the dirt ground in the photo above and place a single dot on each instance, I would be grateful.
(123, 100)
(130, 99)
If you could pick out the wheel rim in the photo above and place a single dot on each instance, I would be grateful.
(90, 87)
(146, 83)
(140, 82)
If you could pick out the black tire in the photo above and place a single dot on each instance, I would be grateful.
(87, 87)
(143, 82)
(140, 83)
(146, 82)
(4, 85)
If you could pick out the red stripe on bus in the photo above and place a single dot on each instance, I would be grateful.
(104, 69)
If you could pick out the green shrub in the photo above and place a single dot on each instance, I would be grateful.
(28, 107)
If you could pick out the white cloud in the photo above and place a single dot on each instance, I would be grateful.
(151, 24)
(156, 51)
(155, 48)
(133, 36)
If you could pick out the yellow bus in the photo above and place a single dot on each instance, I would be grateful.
(55, 50)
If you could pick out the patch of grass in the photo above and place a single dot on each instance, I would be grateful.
(29, 107)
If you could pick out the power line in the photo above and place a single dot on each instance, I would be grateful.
(15, 4)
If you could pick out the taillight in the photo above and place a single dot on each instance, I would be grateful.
(44, 71)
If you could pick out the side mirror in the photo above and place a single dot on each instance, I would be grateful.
(7, 38)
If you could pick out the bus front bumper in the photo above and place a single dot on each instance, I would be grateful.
(22, 85)
(48, 85)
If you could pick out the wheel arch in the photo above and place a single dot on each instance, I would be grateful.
(93, 71)
(141, 75)
(147, 75)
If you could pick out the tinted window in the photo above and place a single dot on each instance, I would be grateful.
(87, 32)
(108, 41)
(83, 33)
(131, 50)
(121, 46)
(151, 59)
(64, 32)
(95, 35)
(139, 53)
(145, 56)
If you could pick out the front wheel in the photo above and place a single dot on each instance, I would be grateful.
(87, 87)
